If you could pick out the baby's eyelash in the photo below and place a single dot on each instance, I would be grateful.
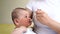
(25, 16)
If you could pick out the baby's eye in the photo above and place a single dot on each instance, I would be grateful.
(31, 17)
(25, 16)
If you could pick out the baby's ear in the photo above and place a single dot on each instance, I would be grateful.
(16, 21)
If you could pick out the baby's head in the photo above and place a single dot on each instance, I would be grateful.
(21, 17)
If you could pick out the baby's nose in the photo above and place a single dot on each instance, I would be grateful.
(29, 19)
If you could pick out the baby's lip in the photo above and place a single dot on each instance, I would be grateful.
(30, 21)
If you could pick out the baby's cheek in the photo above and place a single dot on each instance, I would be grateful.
(22, 20)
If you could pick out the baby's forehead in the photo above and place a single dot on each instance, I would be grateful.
(23, 12)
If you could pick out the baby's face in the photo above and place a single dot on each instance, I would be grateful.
(24, 18)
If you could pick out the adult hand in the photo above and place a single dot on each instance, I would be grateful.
(42, 16)
(19, 30)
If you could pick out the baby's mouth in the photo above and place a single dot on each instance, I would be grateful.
(30, 21)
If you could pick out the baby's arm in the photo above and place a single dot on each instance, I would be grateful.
(20, 30)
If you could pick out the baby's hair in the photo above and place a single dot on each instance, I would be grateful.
(15, 12)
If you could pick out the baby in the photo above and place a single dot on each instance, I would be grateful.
(22, 20)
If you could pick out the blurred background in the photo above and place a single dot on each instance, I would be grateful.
(6, 7)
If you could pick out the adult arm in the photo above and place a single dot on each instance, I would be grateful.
(43, 18)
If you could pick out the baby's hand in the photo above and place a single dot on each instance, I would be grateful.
(20, 30)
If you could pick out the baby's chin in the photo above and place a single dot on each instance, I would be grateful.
(27, 25)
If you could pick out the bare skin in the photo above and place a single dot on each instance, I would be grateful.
(19, 30)
(43, 18)
(22, 22)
